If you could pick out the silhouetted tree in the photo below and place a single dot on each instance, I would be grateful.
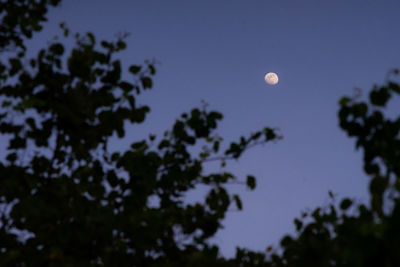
(353, 235)
(66, 200)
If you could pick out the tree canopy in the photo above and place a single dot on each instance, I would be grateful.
(356, 234)
(67, 200)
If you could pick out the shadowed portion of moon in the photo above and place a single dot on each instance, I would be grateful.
(271, 78)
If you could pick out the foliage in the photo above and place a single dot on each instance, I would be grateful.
(356, 234)
(66, 199)
(21, 18)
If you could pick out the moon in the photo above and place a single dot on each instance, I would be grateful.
(271, 78)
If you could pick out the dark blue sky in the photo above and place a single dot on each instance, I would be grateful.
(219, 51)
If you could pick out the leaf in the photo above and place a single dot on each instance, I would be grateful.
(125, 86)
(112, 178)
(298, 223)
(106, 44)
(115, 156)
(238, 202)
(146, 82)
(91, 38)
(152, 69)
(135, 69)
(251, 182)
(269, 134)
(216, 146)
(380, 97)
(121, 45)
(57, 49)
(345, 204)
(286, 241)
(344, 100)
(16, 65)
(12, 157)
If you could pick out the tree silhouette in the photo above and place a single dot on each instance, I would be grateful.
(353, 234)
(66, 200)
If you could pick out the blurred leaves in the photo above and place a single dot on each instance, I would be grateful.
(357, 234)
(75, 203)
(79, 203)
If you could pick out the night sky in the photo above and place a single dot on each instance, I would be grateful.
(219, 52)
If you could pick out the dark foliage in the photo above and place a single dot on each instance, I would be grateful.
(67, 200)
(356, 235)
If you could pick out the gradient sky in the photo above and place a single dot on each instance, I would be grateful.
(219, 52)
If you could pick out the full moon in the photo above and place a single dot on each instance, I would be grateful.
(271, 78)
